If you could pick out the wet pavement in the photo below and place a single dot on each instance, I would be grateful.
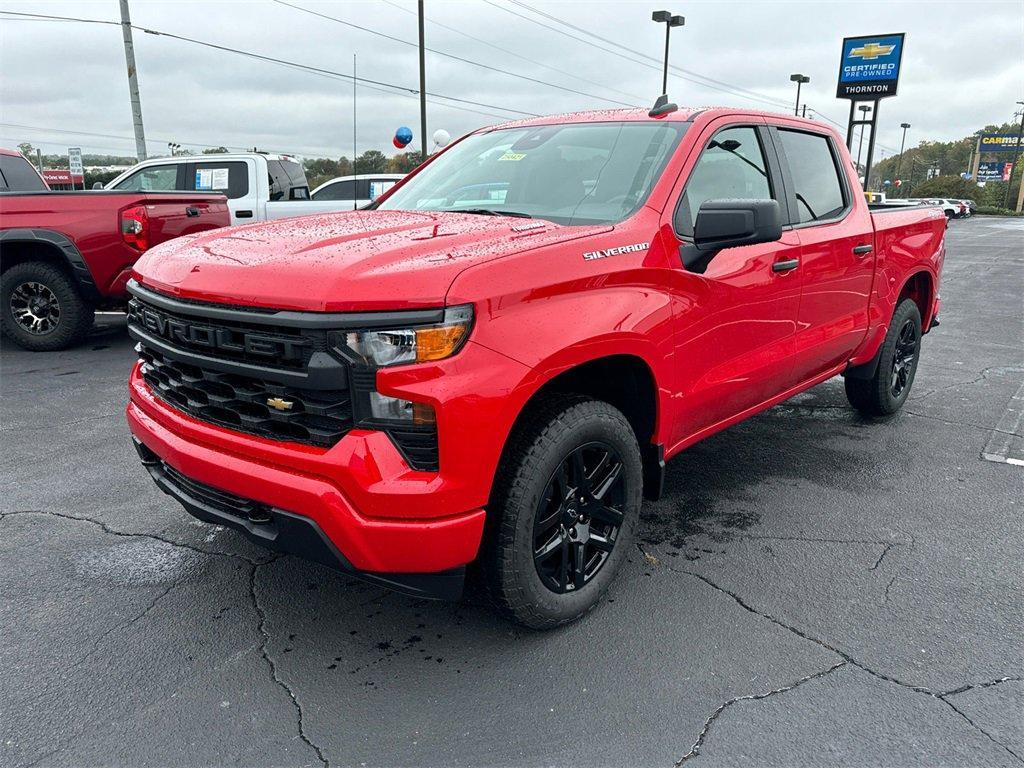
(813, 589)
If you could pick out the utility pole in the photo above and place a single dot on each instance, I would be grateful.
(799, 80)
(133, 81)
(354, 195)
(39, 160)
(423, 92)
(803, 111)
(1016, 160)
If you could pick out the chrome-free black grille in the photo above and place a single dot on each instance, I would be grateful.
(317, 417)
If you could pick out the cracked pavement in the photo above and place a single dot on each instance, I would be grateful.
(812, 590)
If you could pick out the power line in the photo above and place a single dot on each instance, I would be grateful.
(460, 59)
(273, 60)
(509, 52)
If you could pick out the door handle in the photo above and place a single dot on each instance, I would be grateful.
(861, 250)
(785, 266)
(191, 211)
(243, 214)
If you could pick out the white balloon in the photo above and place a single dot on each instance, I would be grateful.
(441, 137)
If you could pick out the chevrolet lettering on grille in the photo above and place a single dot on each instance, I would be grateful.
(212, 337)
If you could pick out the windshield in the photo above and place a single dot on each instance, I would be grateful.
(578, 173)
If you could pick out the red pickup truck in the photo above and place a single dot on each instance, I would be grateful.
(65, 254)
(493, 365)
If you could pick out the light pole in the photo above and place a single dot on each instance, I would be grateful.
(1016, 159)
(670, 21)
(799, 80)
(423, 90)
(864, 108)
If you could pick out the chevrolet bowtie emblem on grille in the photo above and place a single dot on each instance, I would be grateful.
(279, 404)
(872, 51)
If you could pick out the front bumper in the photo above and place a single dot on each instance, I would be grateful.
(286, 532)
(311, 513)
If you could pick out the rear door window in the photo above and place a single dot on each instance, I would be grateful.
(815, 174)
(155, 178)
(230, 178)
(288, 181)
(339, 190)
(18, 175)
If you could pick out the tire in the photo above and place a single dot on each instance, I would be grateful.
(53, 305)
(537, 482)
(885, 392)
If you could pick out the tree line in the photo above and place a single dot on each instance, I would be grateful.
(950, 159)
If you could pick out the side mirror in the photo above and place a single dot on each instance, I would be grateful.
(732, 223)
(97, 185)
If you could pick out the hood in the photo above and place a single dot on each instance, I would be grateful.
(353, 261)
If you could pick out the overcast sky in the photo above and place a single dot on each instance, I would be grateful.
(963, 67)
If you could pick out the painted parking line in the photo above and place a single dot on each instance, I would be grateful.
(1006, 444)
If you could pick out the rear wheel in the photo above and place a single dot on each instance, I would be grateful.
(885, 392)
(566, 503)
(40, 308)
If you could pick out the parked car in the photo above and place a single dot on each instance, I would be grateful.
(357, 191)
(258, 186)
(19, 175)
(953, 209)
(65, 254)
(405, 390)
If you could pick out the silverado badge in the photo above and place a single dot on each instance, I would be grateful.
(604, 254)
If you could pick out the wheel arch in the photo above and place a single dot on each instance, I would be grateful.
(624, 380)
(20, 245)
(919, 286)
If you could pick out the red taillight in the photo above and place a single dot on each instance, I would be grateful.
(135, 227)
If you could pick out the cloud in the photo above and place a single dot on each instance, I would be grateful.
(963, 67)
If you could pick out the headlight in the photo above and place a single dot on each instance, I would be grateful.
(414, 345)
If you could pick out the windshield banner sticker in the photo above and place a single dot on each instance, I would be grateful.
(604, 254)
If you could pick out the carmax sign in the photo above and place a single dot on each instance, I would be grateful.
(869, 67)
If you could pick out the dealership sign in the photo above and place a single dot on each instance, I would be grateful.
(870, 67)
(990, 171)
(997, 142)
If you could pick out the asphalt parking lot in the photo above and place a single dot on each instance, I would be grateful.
(813, 589)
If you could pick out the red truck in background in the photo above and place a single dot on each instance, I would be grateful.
(493, 364)
(65, 254)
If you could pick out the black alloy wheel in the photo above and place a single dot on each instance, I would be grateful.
(35, 308)
(578, 519)
(904, 358)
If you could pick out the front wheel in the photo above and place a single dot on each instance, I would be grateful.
(565, 506)
(885, 392)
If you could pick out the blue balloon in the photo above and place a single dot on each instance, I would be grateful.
(404, 135)
(887, 182)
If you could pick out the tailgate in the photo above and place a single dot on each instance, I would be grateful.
(173, 215)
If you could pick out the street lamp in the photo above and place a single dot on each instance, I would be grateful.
(903, 143)
(1016, 159)
(864, 108)
(173, 147)
(670, 21)
(799, 80)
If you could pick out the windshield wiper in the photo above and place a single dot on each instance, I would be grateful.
(488, 212)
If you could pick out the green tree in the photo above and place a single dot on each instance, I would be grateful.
(947, 186)
(371, 161)
(27, 150)
(216, 151)
(404, 162)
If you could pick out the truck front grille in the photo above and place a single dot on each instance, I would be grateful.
(317, 417)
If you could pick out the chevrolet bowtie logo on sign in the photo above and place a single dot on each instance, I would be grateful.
(869, 67)
(872, 51)
(279, 404)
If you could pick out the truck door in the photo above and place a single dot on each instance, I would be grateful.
(836, 258)
(736, 320)
(230, 178)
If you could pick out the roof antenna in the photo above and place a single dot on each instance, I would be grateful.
(662, 106)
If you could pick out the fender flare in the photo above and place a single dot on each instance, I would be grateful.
(68, 251)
